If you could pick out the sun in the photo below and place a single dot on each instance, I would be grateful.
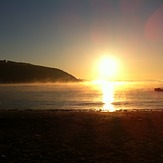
(107, 67)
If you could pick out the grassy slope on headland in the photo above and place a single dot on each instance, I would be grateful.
(16, 72)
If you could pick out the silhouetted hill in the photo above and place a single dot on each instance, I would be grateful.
(15, 72)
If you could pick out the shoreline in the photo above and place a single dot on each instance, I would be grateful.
(74, 136)
(81, 110)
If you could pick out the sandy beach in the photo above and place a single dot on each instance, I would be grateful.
(69, 136)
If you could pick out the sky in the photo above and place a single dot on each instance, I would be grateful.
(73, 35)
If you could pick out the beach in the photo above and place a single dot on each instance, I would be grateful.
(74, 136)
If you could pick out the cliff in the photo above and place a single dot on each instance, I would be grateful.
(17, 72)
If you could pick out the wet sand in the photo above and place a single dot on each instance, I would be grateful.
(66, 136)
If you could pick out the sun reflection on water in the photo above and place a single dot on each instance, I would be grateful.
(106, 89)
(107, 96)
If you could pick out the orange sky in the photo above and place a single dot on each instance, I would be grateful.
(74, 35)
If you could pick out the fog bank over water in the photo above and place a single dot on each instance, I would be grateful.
(106, 96)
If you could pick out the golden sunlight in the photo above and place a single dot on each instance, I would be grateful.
(107, 67)
(107, 96)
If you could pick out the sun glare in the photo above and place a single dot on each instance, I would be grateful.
(107, 67)
(107, 97)
(107, 94)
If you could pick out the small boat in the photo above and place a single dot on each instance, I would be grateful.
(159, 89)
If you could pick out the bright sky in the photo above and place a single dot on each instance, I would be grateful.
(74, 35)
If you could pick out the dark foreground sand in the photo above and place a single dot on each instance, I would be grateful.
(64, 136)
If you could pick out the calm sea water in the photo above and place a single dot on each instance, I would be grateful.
(106, 96)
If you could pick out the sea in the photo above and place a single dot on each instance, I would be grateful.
(85, 96)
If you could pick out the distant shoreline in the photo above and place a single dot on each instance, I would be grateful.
(18, 72)
(79, 81)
